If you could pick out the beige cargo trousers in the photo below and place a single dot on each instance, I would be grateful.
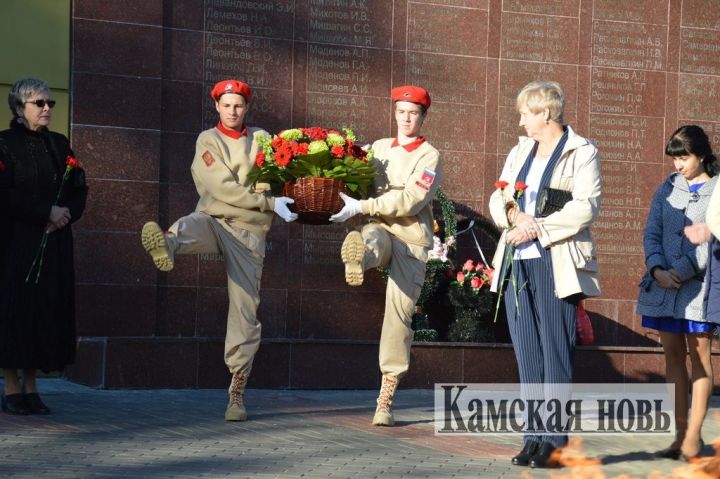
(407, 274)
(200, 233)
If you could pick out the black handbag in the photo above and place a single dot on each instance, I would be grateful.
(550, 200)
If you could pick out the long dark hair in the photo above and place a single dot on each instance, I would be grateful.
(692, 140)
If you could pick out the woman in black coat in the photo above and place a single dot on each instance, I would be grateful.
(40, 196)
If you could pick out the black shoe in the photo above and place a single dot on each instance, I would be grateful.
(528, 451)
(14, 404)
(35, 404)
(546, 457)
(669, 452)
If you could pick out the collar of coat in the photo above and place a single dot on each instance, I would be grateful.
(678, 181)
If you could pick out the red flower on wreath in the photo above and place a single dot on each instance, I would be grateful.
(260, 159)
(283, 155)
(277, 142)
(338, 151)
(299, 148)
(315, 133)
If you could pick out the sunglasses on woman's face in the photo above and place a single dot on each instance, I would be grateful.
(42, 103)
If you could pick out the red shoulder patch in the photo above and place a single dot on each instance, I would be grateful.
(208, 158)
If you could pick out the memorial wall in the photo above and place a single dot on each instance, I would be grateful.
(632, 73)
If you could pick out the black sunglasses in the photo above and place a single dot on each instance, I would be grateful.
(42, 103)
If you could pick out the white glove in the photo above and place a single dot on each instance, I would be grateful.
(282, 210)
(351, 208)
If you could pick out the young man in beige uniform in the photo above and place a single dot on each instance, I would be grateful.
(231, 218)
(399, 234)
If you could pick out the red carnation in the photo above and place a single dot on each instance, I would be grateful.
(299, 149)
(260, 159)
(337, 151)
(501, 184)
(520, 186)
(71, 162)
(315, 133)
(283, 155)
(277, 142)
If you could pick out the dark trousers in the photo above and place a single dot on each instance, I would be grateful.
(542, 328)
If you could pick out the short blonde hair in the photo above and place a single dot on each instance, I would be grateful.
(541, 94)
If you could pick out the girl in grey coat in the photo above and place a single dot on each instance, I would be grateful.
(672, 290)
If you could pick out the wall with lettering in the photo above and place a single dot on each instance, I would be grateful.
(632, 73)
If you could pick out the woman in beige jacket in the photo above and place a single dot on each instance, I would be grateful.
(545, 265)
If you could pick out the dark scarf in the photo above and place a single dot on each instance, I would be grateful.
(547, 174)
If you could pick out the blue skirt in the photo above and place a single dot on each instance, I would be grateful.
(675, 325)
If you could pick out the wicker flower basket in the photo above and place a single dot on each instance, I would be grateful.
(316, 199)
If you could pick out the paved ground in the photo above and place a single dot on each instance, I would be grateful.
(290, 434)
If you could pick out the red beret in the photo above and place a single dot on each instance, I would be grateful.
(411, 93)
(231, 86)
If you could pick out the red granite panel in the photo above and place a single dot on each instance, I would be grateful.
(212, 371)
(700, 13)
(489, 365)
(494, 28)
(180, 200)
(182, 55)
(255, 19)
(699, 52)
(647, 367)
(514, 75)
(111, 258)
(127, 95)
(433, 364)
(211, 270)
(632, 333)
(341, 315)
(639, 11)
(582, 124)
(212, 311)
(117, 48)
(186, 14)
(261, 62)
(625, 187)
(399, 31)
(182, 106)
(712, 129)
(173, 364)
(129, 11)
(176, 156)
(671, 105)
(120, 205)
(585, 48)
(479, 4)
(629, 45)
(539, 38)
(176, 312)
(463, 175)
(452, 126)
(674, 34)
(492, 89)
(592, 366)
(334, 366)
(355, 112)
(89, 363)
(272, 312)
(428, 32)
(275, 270)
(621, 264)
(117, 153)
(348, 70)
(603, 317)
(448, 78)
(270, 110)
(565, 8)
(365, 24)
(627, 92)
(104, 310)
(632, 142)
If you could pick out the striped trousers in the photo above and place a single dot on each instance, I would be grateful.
(542, 328)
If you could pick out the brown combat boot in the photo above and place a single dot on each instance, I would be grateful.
(155, 243)
(236, 409)
(383, 412)
(352, 253)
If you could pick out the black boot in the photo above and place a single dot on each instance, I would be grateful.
(14, 404)
(35, 404)
(546, 457)
(528, 451)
